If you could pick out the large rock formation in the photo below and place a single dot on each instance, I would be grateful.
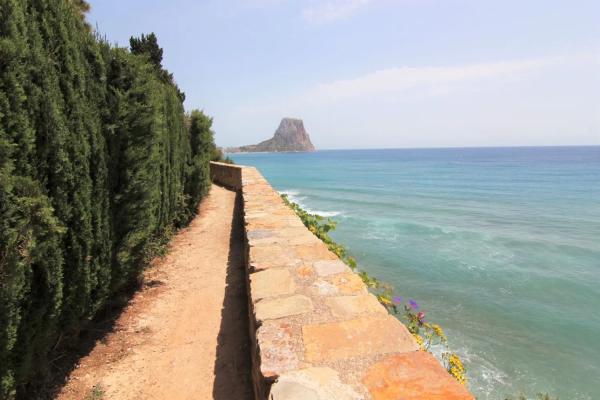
(290, 136)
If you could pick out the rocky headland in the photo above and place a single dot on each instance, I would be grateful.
(289, 136)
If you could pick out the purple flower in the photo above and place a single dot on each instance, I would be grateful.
(413, 304)
(421, 316)
(397, 299)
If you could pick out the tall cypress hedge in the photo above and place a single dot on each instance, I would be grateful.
(98, 162)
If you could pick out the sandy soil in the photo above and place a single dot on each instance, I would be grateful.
(185, 334)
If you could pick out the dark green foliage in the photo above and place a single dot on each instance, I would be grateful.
(98, 164)
(147, 45)
(219, 156)
(82, 5)
(202, 151)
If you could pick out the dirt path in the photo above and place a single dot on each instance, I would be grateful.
(184, 336)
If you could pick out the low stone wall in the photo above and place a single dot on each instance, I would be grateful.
(316, 331)
(228, 175)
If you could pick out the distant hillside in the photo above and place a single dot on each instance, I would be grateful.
(290, 136)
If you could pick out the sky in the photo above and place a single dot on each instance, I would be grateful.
(380, 73)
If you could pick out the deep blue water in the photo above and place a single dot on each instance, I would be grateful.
(501, 246)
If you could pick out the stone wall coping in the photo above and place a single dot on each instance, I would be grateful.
(222, 164)
(316, 332)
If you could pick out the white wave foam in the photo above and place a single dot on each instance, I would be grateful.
(484, 376)
(325, 214)
(289, 192)
(381, 235)
(294, 196)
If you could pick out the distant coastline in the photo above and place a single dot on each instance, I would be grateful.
(267, 152)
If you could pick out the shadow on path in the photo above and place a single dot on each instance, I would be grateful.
(232, 364)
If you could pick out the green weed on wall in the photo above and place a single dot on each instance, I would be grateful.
(98, 162)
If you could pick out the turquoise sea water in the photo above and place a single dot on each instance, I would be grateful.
(501, 246)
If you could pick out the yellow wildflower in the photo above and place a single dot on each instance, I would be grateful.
(419, 340)
(439, 332)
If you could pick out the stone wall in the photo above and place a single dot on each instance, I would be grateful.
(316, 331)
(228, 175)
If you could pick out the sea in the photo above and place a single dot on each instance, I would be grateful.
(500, 246)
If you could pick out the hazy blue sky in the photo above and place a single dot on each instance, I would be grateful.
(380, 73)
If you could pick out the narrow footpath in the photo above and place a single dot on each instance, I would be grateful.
(185, 334)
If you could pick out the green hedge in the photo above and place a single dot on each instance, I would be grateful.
(98, 162)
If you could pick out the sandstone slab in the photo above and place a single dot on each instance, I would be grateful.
(303, 239)
(330, 267)
(278, 348)
(272, 256)
(412, 376)
(315, 383)
(265, 223)
(260, 234)
(282, 307)
(323, 288)
(305, 271)
(289, 236)
(270, 283)
(366, 336)
(263, 237)
(257, 214)
(313, 252)
(346, 307)
(348, 283)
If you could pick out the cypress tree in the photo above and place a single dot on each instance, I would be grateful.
(97, 165)
(147, 45)
(202, 148)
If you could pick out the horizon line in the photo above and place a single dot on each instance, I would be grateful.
(460, 147)
(420, 148)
